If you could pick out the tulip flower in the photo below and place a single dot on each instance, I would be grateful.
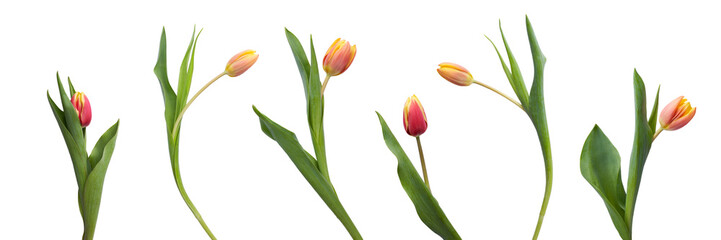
(240, 63)
(82, 107)
(455, 74)
(414, 117)
(676, 114)
(338, 57)
(415, 123)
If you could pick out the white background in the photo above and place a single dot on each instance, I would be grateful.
(483, 155)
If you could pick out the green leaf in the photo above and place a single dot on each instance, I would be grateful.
(71, 87)
(516, 79)
(601, 167)
(93, 188)
(161, 72)
(314, 101)
(641, 147)
(76, 154)
(654, 112)
(185, 76)
(315, 114)
(308, 168)
(536, 110)
(426, 205)
(72, 122)
(300, 59)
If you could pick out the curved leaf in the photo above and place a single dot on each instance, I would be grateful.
(93, 188)
(601, 167)
(308, 168)
(426, 205)
(641, 146)
(314, 101)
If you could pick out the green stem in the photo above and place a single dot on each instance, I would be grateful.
(176, 164)
(500, 93)
(179, 183)
(182, 112)
(547, 194)
(423, 162)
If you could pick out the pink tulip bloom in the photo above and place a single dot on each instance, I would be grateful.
(240, 63)
(338, 57)
(82, 107)
(676, 114)
(455, 74)
(414, 117)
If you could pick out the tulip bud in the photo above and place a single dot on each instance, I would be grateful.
(414, 117)
(240, 63)
(338, 57)
(82, 107)
(676, 114)
(455, 74)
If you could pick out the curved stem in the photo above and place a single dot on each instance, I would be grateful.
(500, 93)
(656, 134)
(181, 188)
(423, 162)
(546, 197)
(325, 82)
(182, 112)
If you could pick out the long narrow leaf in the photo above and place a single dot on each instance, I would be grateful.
(300, 59)
(93, 189)
(72, 122)
(79, 166)
(654, 112)
(184, 80)
(517, 83)
(426, 205)
(601, 167)
(305, 164)
(315, 113)
(641, 147)
(161, 72)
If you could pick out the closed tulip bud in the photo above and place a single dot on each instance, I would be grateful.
(676, 114)
(455, 74)
(240, 63)
(414, 117)
(338, 57)
(82, 107)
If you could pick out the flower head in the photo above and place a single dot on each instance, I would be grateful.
(676, 114)
(414, 117)
(338, 57)
(240, 63)
(455, 74)
(82, 107)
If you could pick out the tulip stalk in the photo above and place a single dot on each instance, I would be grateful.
(532, 103)
(601, 162)
(325, 82)
(500, 93)
(73, 116)
(314, 168)
(423, 162)
(176, 104)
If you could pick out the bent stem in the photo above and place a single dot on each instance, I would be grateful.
(182, 112)
(181, 188)
(500, 93)
(325, 82)
(176, 164)
(547, 194)
(423, 162)
(548, 162)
